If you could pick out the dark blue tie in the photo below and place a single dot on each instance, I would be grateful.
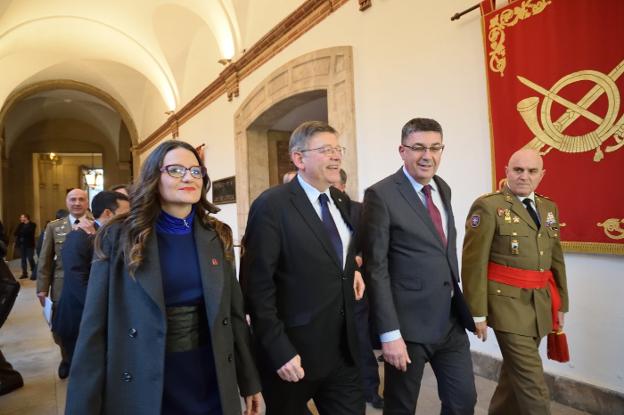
(330, 226)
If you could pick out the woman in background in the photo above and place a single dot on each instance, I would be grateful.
(163, 330)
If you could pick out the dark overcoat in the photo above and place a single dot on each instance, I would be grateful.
(119, 360)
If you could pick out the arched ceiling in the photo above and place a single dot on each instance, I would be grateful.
(148, 56)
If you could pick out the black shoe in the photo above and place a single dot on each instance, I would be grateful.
(23, 277)
(11, 383)
(376, 401)
(33, 278)
(63, 370)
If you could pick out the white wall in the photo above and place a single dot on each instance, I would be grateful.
(411, 60)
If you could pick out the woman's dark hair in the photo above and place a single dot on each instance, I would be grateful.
(138, 223)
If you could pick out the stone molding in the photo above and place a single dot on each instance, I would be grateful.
(328, 70)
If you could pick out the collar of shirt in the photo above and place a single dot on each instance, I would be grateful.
(313, 194)
(531, 196)
(72, 219)
(343, 229)
(418, 187)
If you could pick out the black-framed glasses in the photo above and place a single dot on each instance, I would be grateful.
(434, 149)
(178, 171)
(327, 150)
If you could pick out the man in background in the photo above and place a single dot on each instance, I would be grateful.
(369, 367)
(25, 241)
(76, 256)
(50, 267)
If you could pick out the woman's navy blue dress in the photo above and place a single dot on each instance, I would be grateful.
(190, 383)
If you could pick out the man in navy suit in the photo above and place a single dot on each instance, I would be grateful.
(411, 271)
(76, 255)
(297, 273)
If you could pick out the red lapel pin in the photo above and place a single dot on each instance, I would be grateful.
(215, 261)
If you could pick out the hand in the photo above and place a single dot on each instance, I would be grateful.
(358, 285)
(252, 404)
(42, 296)
(561, 314)
(292, 370)
(481, 331)
(86, 225)
(395, 353)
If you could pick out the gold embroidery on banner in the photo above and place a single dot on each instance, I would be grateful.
(552, 134)
(501, 21)
(612, 228)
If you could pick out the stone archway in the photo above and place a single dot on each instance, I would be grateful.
(329, 70)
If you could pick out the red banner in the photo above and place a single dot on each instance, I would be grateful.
(555, 77)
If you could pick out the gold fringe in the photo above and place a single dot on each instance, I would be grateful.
(593, 248)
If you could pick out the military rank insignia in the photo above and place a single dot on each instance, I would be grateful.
(550, 219)
(475, 220)
(515, 247)
(507, 217)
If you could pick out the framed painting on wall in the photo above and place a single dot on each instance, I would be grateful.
(224, 191)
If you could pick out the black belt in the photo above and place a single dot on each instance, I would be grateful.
(187, 328)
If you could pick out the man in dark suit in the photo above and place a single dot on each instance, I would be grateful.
(297, 273)
(411, 270)
(25, 241)
(76, 255)
(369, 367)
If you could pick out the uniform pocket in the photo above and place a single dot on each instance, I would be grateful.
(503, 290)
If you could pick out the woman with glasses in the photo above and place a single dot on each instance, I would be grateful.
(163, 330)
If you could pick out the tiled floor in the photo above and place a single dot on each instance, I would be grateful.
(27, 343)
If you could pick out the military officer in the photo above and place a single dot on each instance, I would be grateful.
(512, 262)
(50, 267)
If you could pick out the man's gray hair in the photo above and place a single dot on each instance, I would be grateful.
(302, 134)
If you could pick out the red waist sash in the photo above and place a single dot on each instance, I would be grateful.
(526, 278)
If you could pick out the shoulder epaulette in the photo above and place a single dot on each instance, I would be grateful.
(490, 194)
(58, 220)
(542, 196)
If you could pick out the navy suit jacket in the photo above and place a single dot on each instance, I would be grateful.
(299, 296)
(77, 254)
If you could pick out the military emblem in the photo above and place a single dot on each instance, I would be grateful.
(475, 220)
(507, 217)
(515, 247)
(500, 211)
(550, 219)
(551, 134)
(516, 219)
(613, 228)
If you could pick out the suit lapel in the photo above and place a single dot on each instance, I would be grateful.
(541, 210)
(211, 263)
(407, 191)
(148, 275)
(306, 210)
(341, 201)
(518, 208)
(66, 226)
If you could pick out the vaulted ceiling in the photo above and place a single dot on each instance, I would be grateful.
(100, 62)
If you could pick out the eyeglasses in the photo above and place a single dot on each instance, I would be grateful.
(177, 171)
(327, 150)
(434, 149)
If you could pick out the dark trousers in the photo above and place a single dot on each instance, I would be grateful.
(452, 364)
(28, 254)
(338, 393)
(369, 367)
